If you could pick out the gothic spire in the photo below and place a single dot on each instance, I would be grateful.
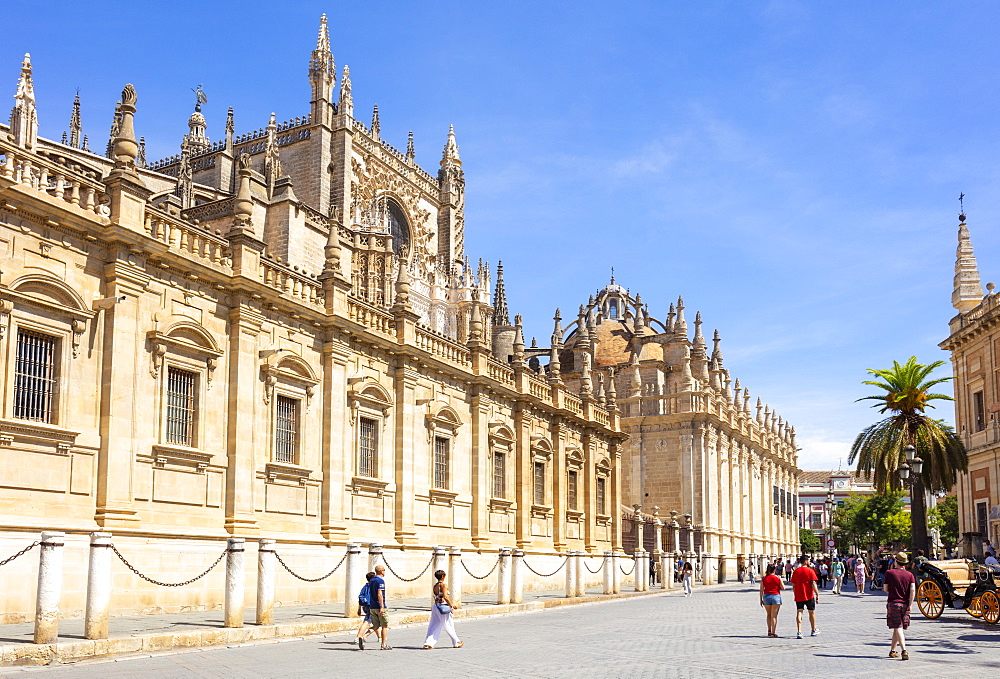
(346, 101)
(24, 117)
(376, 124)
(716, 351)
(321, 67)
(411, 153)
(74, 123)
(116, 122)
(272, 166)
(699, 339)
(450, 154)
(680, 325)
(230, 129)
(557, 333)
(967, 293)
(501, 316)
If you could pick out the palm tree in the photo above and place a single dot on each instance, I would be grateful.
(879, 448)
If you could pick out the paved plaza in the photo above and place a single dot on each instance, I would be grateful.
(718, 632)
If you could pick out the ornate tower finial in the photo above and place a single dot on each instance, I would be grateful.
(125, 147)
(24, 117)
(699, 339)
(410, 150)
(196, 140)
(967, 292)
(243, 204)
(230, 129)
(321, 76)
(716, 350)
(450, 154)
(272, 166)
(557, 333)
(680, 325)
(501, 316)
(612, 275)
(376, 123)
(116, 123)
(75, 127)
(518, 340)
(346, 101)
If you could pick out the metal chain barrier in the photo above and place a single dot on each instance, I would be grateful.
(623, 570)
(407, 579)
(322, 577)
(21, 553)
(599, 568)
(481, 577)
(549, 575)
(168, 584)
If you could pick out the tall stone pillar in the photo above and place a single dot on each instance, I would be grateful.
(523, 475)
(338, 445)
(481, 469)
(125, 362)
(408, 433)
(616, 495)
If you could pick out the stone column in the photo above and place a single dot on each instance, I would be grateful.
(616, 571)
(408, 431)
(657, 554)
(50, 560)
(95, 624)
(455, 575)
(354, 580)
(235, 583)
(517, 578)
(338, 442)
(265, 581)
(503, 576)
(609, 578)
(637, 571)
(667, 570)
(374, 556)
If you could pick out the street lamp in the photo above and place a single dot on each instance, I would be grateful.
(831, 504)
(915, 465)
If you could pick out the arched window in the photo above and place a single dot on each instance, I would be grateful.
(613, 308)
(398, 228)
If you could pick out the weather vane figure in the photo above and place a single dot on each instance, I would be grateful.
(200, 98)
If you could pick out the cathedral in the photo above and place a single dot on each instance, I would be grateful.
(278, 334)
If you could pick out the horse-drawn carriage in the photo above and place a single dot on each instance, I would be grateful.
(958, 583)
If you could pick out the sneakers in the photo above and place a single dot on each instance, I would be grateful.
(798, 635)
(814, 633)
(905, 655)
(361, 643)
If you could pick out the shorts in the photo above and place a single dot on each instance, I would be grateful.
(897, 615)
(368, 613)
(379, 618)
(808, 604)
(772, 599)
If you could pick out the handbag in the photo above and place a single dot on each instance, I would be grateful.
(443, 609)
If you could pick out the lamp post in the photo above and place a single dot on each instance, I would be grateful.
(831, 504)
(909, 472)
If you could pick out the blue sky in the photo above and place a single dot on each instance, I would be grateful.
(791, 168)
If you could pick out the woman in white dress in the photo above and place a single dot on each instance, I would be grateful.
(441, 615)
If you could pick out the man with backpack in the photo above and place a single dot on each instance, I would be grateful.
(364, 602)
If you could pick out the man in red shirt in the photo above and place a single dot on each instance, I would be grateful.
(806, 594)
(901, 587)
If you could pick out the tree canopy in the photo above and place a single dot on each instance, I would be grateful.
(809, 541)
(878, 519)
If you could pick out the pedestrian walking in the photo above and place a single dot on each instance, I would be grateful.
(806, 595)
(441, 615)
(837, 572)
(859, 575)
(770, 599)
(378, 610)
(788, 570)
(750, 572)
(687, 575)
(364, 608)
(824, 573)
(901, 588)
(779, 568)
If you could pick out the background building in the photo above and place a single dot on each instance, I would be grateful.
(974, 344)
(818, 488)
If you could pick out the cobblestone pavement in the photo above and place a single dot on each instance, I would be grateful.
(718, 632)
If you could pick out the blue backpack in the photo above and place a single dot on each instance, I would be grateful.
(363, 596)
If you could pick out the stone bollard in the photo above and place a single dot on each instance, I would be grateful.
(235, 583)
(374, 555)
(517, 577)
(609, 577)
(667, 569)
(95, 624)
(570, 573)
(455, 575)
(583, 573)
(503, 576)
(265, 581)
(439, 555)
(354, 580)
(50, 560)
(616, 573)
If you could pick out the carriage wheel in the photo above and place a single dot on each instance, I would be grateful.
(990, 604)
(975, 607)
(930, 600)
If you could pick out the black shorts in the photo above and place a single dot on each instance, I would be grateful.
(808, 604)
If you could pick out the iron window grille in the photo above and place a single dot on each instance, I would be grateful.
(499, 474)
(539, 483)
(571, 489)
(442, 453)
(286, 429)
(368, 447)
(34, 376)
(180, 406)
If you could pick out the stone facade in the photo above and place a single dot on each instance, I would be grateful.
(278, 335)
(974, 344)
(695, 446)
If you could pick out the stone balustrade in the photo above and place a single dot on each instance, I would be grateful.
(442, 346)
(291, 283)
(368, 316)
(53, 178)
